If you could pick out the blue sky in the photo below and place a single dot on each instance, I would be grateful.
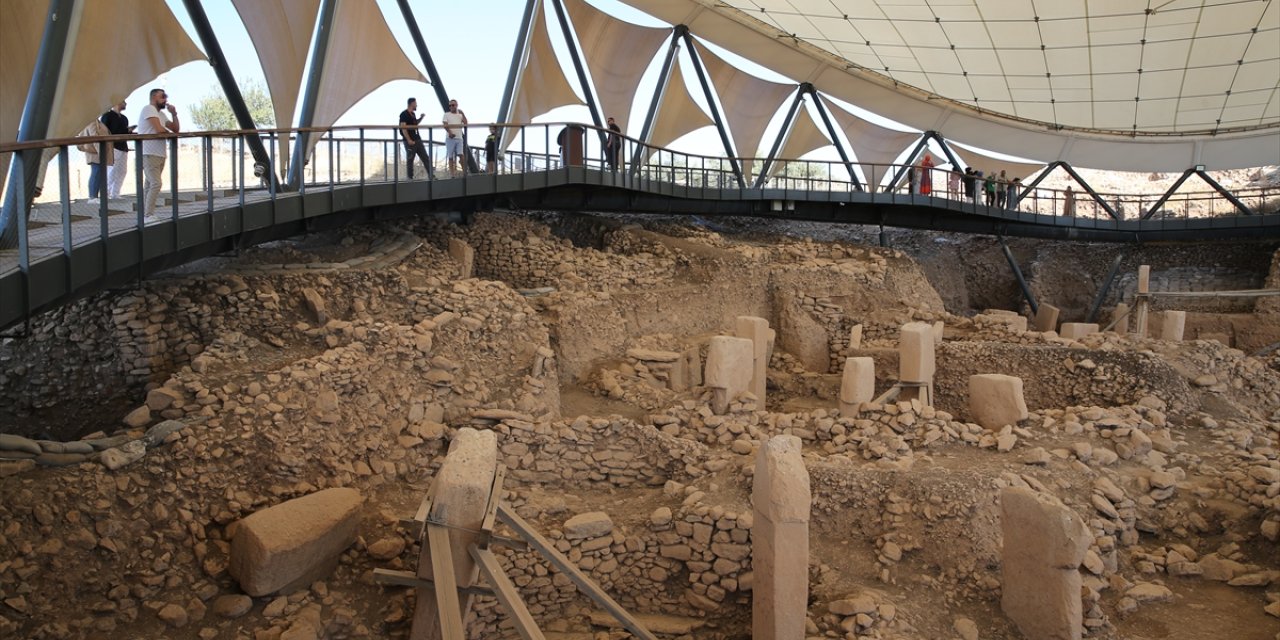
(471, 43)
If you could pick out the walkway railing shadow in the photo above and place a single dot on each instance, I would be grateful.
(215, 172)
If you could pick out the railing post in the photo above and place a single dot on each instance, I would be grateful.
(64, 192)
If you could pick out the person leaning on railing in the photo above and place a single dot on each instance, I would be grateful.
(98, 163)
(153, 120)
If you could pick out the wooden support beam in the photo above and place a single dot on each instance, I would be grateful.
(506, 593)
(446, 589)
(571, 571)
(393, 578)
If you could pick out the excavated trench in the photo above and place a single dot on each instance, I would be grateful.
(289, 381)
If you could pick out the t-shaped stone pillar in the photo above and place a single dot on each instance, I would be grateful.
(1120, 318)
(1044, 544)
(461, 500)
(730, 364)
(780, 501)
(1046, 318)
(1172, 325)
(757, 331)
(1143, 301)
(858, 385)
(916, 361)
(995, 400)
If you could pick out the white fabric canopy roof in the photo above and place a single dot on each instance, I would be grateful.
(363, 55)
(988, 164)
(749, 102)
(21, 27)
(281, 32)
(992, 90)
(617, 53)
(873, 144)
(542, 85)
(804, 137)
(678, 114)
(151, 40)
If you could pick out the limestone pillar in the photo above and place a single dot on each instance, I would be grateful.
(855, 336)
(730, 364)
(996, 400)
(1172, 325)
(916, 361)
(461, 491)
(939, 327)
(780, 501)
(1077, 330)
(1044, 544)
(1143, 301)
(1046, 318)
(757, 331)
(464, 255)
(858, 384)
(1120, 318)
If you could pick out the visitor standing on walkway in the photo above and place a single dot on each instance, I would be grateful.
(1002, 186)
(989, 188)
(1014, 193)
(971, 184)
(98, 163)
(1069, 203)
(157, 117)
(613, 145)
(118, 123)
(455, 122)
(491, 150)
(953, 183)
(412, 139)
(926, 175)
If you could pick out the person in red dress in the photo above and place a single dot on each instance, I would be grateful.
(926, 175)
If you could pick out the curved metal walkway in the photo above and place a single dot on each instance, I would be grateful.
(71, 248)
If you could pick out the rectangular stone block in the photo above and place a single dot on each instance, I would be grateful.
(1046, 318)
(916, 356)
(1144, 278)
(1013, 321)
(858, 385)
(1077, 330)
(1044, 544)
(464, 255)
(1172, 325)
(295, 543)
(781, 500)
(757, 331)
(855, 336)
(1120, 318)
(730, 364)
(996, 400)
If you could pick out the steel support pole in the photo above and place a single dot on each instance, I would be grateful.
(902, 169)
(831, 131)
(1105, 288)
(721, 128)
(783, 133)
(432, 73)
(946, 150)
(1044, 173)
(1022, 282)
(225, 78)
(581, 69)
(1168, 193)
(43, 96)
(1094, 194)
(306, 118)
(659, 93)
(517, 66)
(1226, 194)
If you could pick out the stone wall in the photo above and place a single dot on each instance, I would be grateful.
(1054, 376)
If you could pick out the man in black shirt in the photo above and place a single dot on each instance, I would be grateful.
(491, 150)
(118, 124)
(412, 140)
(613, 145)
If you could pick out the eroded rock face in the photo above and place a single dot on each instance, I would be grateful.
(1044, 544)
(294, 543)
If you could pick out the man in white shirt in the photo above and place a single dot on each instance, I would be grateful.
(454, 121)
(152, 120)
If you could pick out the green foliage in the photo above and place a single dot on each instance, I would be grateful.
(213, 112)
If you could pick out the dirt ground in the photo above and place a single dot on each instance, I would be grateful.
(567, 337)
